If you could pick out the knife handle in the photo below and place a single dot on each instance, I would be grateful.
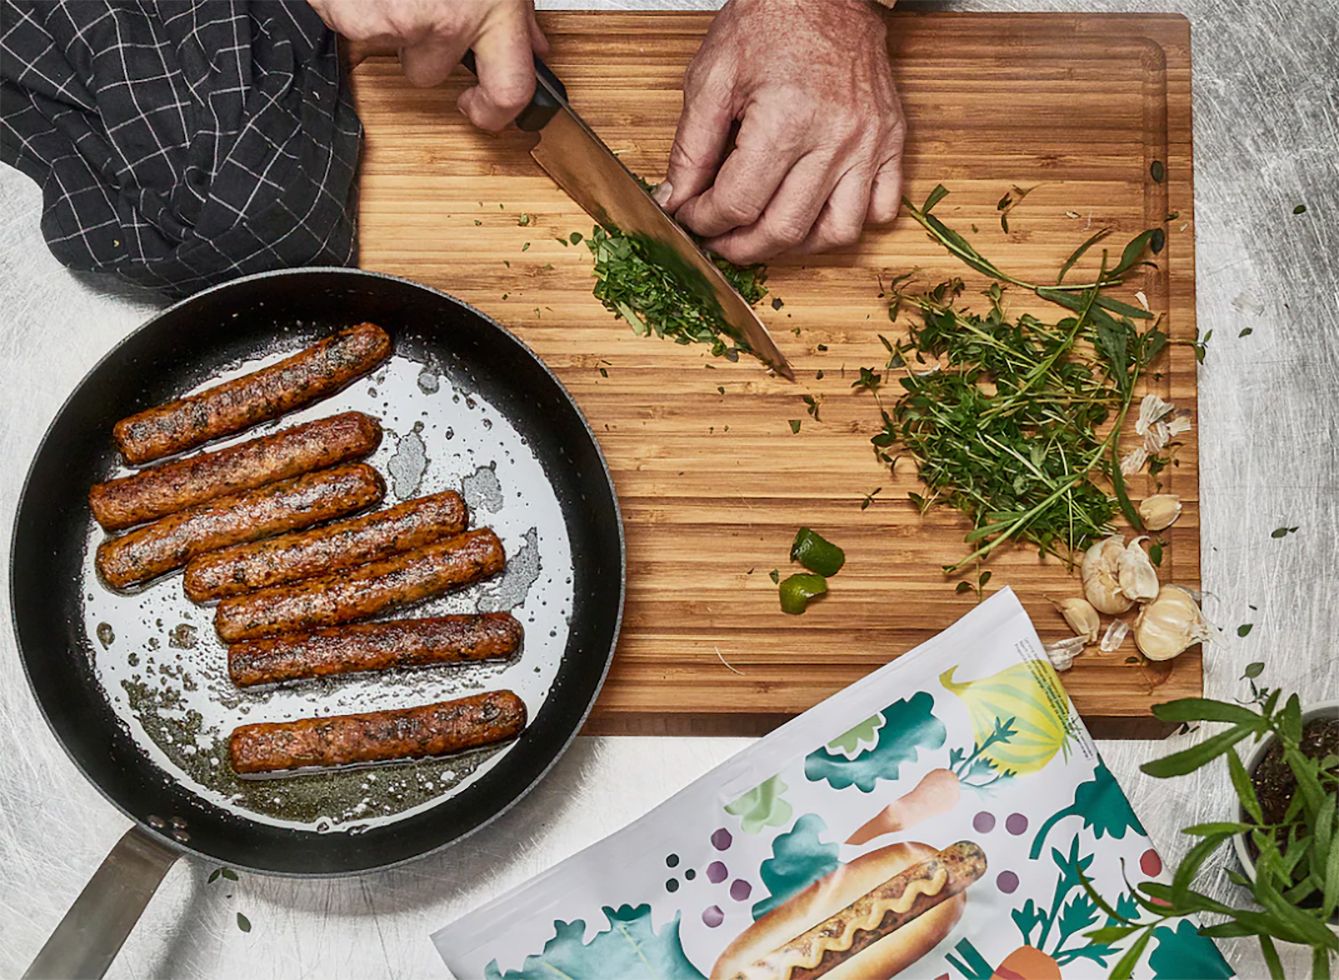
(550, 94)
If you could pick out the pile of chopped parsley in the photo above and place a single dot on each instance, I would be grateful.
(654, 301)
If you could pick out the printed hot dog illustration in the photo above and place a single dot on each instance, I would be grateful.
(166, 489)
(304, 554)
(307, 376)
(871, 918)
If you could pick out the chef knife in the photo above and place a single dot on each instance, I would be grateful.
(579, 162)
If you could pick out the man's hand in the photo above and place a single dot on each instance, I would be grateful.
(818, 151)
(432, 35)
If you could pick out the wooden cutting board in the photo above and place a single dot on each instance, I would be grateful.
(712, 480)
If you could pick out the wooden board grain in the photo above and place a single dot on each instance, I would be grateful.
(712, 481)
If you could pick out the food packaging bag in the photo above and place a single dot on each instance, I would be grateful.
(935, 819)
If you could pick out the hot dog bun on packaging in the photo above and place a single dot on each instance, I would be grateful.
(873, 917)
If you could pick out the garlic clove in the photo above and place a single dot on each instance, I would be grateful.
(1160, 511)
(1169, 624)
(1081, 617)
(1100, 573)
(1136, 576)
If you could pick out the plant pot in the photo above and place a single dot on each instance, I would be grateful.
(1325, 709)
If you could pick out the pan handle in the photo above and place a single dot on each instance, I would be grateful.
(91, 934)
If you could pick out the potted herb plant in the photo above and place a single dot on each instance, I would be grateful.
(1285, 829)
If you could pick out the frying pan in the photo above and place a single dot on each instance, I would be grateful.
(204, 336)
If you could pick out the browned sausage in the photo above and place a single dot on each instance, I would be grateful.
(374, 646)
(166, 489)
(171, 542)
(309, 375)
(303, 554)
(363, 591)
(377, 736)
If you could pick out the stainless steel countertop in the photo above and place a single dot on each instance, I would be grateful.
(1266, 138)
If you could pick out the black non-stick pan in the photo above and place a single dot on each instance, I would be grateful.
(125, 681)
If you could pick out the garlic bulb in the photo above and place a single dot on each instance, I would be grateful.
(1169, 624)
(1135, 573)
(1081, 617)
(1160, 511)
(1100, 572)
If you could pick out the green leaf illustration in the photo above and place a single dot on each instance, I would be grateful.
(762, 806)
(630, 948)
(799, 858)
(909, 725)
(1183, 952)
(1101, 804)
(863, 736)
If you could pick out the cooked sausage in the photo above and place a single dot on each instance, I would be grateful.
(309, 375)
(374, 646)
(377, 736)
(172, 541)
(303, 554)
(362, 591)
(162, 490)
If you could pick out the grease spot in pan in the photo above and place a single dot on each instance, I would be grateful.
(408, 464)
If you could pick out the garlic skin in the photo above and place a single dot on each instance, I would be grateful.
(1135, 573)
(1114, 636)
(1061, 653)
(1100, 573)
(1169, 624)
(1160, 511)
(1081, 617)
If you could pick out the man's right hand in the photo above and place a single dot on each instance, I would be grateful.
(432, 35)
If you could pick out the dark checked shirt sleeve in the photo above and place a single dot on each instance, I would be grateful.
(181, 143)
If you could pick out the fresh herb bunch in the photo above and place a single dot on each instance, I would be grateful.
(1016, 422)
(652, 299)
(1296, 886)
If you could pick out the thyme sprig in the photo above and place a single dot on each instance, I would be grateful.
(1014, 421)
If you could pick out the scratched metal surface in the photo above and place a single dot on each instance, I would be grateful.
(1266, 135)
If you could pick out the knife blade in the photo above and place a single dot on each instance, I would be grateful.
(581, 164)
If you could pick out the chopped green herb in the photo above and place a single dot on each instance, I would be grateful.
(798, 589)
(1246, 331)
(604, 373)
(816, 553)
(775, 576)
(869, 378)
(1300, 209)
(821, 348)
(1009, 201)
(477, 222)
(575, 238)
(562, 241)
(632, 285)
(818, 375)
(525, 246)
(507, 263)
(1244, 629)
(720, 389)
(1282, 532)
(1155, 552)
(1157, 171)
(812, 403)
(243, 922)
(869, 498)
(525, 219)
(794, 426)
(1253, 670)
(776, 303)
